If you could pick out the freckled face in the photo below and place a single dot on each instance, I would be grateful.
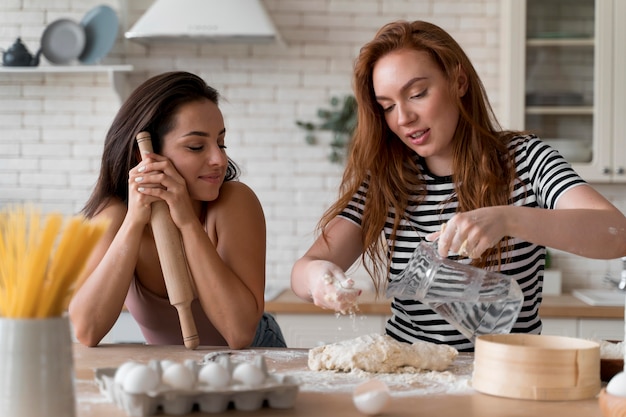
(418, 107)
(196, 148)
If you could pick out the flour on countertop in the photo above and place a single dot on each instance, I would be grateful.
(456, 379)
(85, 400)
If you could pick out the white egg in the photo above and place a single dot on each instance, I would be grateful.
(166, 363)
(224, 360)
(248, 374)
(617, 385)
(141, 379)
(178, 377)
(259, 362)
(156, 365)
(193, 366)
(122, 370)
(215, 375)
(371, 397)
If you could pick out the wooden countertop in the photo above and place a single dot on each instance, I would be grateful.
(553, 306)
(93, 404)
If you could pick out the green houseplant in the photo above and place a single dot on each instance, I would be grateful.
(340, 119)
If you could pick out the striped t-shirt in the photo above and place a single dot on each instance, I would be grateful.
(543, 176)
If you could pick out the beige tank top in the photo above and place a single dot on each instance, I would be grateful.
(158, 319)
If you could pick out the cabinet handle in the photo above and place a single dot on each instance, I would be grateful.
(620, 171)
(606, 171)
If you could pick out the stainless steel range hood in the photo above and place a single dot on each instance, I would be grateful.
(205, 21)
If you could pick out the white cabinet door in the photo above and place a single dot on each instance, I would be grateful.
(563, 78)
(601, 329)
(560, 327)
(311, 330)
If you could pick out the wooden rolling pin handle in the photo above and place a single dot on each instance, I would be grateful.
(187, 326)
(172, 258)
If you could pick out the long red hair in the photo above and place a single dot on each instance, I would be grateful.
(483, 169)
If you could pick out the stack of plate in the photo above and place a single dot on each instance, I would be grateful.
(65, 40)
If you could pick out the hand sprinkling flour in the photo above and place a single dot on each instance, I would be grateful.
(331, 289)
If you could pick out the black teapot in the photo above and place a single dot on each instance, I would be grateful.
(18, 56)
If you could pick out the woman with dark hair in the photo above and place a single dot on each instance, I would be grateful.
(190, 171)
(427, 151)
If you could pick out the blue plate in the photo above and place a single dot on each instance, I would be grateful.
(62, 41)
(100, 24)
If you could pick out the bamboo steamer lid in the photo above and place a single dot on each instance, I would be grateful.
(536, 367)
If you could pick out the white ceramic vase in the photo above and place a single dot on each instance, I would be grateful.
(36, 368)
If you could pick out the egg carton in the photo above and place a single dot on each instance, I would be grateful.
(277, 391)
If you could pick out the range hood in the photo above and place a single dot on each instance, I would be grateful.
(205, 21)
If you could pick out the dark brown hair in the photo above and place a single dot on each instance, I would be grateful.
(151, 107)
(483, 169)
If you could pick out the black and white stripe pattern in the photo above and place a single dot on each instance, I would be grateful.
(544, 175)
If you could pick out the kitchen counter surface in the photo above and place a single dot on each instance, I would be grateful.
(308, 403)
(553, 306)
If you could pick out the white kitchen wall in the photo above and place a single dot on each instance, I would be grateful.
(53, 125)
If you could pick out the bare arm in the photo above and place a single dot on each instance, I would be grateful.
(328, 257)
(228, 264)
(97, 304)
(584, 223)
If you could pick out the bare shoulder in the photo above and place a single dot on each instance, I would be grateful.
(236, 193)
(236, 210)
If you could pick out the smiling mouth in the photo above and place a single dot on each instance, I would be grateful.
(419, 134)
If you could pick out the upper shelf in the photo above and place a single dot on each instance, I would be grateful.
(69, 68)
(114, 71)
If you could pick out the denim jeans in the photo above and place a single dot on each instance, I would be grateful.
(268, 333)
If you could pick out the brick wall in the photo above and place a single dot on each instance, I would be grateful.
(53, 125)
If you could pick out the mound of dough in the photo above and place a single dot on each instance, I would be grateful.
(380, 353)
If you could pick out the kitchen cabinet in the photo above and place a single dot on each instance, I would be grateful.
(601, 329)
(560, 327)
(584, 328)
(563, 78)
(310, 330)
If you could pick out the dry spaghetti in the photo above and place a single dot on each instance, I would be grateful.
(41, 260)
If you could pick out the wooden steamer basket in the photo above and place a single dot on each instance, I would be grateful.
(536, 367)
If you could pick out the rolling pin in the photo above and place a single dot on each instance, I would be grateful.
(172, 258)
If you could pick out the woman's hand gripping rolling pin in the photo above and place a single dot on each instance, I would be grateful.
(331, 289)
